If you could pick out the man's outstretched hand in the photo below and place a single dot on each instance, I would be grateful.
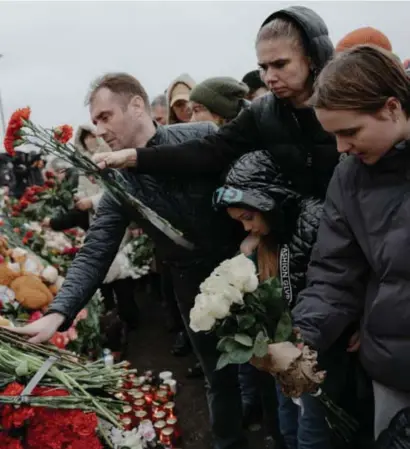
(41, 330)
(116, 159)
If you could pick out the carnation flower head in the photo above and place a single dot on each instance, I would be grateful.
(63, 133)
(13, 133)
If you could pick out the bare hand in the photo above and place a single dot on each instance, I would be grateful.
(354, 342)
(116, 159)
(249, 244)
(41, 330)
(84, 204)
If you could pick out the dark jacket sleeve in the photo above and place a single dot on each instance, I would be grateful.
(93, 261)
(335, 290)
(72, 219)
(213, 153)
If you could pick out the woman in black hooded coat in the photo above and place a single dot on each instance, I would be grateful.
(282, 228)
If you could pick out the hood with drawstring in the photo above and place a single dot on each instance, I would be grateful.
(315, 33)
(179, 89)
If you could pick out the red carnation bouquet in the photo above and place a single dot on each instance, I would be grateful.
(21, 130)
(43, 427)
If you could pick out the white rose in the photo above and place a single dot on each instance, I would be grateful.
(200, 319)
(218, 306)
(240, 272)
(218, 285)
(251, 284)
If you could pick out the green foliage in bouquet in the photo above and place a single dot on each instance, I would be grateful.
(262, 319)
(89, 334)
(57, 198)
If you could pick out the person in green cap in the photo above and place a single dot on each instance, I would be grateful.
(218, 100)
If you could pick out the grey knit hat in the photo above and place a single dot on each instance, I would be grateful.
(222, 95)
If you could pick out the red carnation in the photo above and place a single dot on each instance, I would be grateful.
(71, 251)
(84, 424)
(50, 183)
(23, 203)
(63, 133)
(16, 122)
(58, 340)
(7, 442)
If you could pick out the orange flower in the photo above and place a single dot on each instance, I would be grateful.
(16, 122)
(63, 133)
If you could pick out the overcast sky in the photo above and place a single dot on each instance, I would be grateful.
(52, 51)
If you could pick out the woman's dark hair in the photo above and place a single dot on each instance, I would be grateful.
(362, 79)
(84, 134)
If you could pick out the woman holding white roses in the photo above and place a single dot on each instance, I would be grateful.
(282, 229)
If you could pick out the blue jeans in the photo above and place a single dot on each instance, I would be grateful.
(307, 430)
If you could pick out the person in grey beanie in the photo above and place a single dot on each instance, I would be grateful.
(218, 99)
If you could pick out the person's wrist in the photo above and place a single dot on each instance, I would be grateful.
(131, 158)
(58, 318)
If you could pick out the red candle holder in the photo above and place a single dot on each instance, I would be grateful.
(159, 426)
(173, 422)
(160, 415)
(169, 408)
(167, 437)
(127, 423)
(161, 396)
(140, 416)
(140, 404)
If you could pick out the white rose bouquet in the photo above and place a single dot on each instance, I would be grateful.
(246, 316)
(253, 324)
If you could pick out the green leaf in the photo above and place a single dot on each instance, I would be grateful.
(284, 328)
(223, 361)
(244, 340)
(240, 356)
(260, 347)
(245, 321)
(226, 344)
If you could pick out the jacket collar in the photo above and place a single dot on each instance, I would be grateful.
(158, 137)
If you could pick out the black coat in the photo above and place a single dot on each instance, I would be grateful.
(255, 182)
(185, 204)
(305, 153)
(360, 266)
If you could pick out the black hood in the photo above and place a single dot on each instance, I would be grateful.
(315, 33)
(254, 182)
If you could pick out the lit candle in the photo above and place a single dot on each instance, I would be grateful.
(141, 415)
(126, 423)
(159, 416)
(166, 436)
(169, 408)
(158, 426)
(161, 396)
(140, 404)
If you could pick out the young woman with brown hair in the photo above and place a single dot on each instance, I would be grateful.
(359, 268)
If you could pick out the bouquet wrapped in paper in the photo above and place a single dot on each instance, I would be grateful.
(253, 324)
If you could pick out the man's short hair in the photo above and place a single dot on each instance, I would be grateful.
(121, 84)
(160, 100)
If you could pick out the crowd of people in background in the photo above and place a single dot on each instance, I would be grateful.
(260, 138)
